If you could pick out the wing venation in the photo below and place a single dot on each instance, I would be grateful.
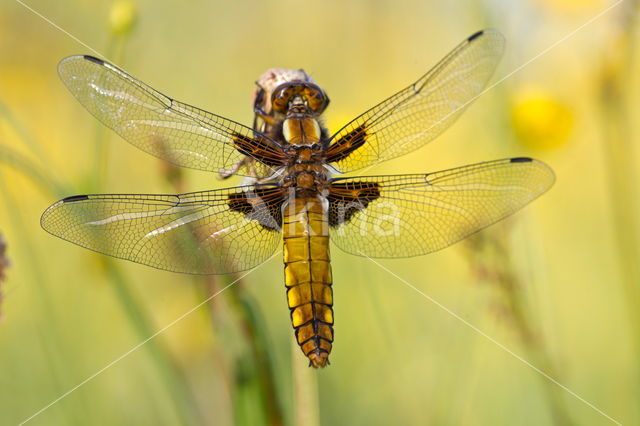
(420, 112)
(411, 215)
(209, 232)
(159, 125)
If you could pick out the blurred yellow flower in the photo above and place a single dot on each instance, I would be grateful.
(122, 17)
(541, 120)
(572, 6)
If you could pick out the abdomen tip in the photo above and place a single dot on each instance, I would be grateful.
(318, 359)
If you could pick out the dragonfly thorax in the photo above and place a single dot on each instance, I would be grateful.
(301, 131)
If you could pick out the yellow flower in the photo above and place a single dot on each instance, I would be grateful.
(572, 6)
(122, 17)
(540, 120)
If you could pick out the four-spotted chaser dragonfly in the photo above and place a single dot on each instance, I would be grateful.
(294, 191)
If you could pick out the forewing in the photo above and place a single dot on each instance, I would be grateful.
(410, 215)
(210, 232)
(419, 113)
(179, 133)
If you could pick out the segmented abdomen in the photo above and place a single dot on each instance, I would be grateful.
(308, 276)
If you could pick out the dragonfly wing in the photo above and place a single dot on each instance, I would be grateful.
(174, 131)
(411, 215)
(209, 232)
(420, 112)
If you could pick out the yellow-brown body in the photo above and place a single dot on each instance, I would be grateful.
(308, 276)
(306, 241)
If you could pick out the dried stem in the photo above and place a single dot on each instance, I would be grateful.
(491, 261)
(4, 264)
(249, 318)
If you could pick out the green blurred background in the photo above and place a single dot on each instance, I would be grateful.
(558, 284)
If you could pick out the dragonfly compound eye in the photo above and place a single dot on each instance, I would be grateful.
(282, 96)
(316, 99)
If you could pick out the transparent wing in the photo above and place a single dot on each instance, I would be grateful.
(210, 232)
(410, 215)
(419, 113)
(166, 128)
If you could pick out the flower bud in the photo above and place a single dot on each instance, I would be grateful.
(122, 17)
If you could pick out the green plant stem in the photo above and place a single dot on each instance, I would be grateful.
(250, 321)
(115, 51)
(171, 372)
(101, 158)
(167, 368)
(253, 328)
(23, 132)
(214, 308)
(31, 171)
(256, 366)
(501, 272)
(620, 144)
(305, 390)
(50, 338)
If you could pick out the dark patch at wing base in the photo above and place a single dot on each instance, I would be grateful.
(346, 199)
(259, 150)
(344, 146)
(260, 200)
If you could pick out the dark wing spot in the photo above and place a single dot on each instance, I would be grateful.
(475, 35)
(343, 147)
(346, 199)
(75, 198)
(238, 203)
(261, 204)
(94, 59)
(521, 160)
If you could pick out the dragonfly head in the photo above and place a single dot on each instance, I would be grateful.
(299, 96)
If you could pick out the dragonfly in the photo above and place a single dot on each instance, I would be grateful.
(295, 193)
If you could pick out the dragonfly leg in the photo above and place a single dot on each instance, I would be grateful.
(250, 164)
(268, 119)
(225, 174)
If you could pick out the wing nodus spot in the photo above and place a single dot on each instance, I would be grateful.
(74, 198)
(475, 35)
(94, 59)
(521, 160)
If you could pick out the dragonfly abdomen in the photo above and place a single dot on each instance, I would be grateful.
(308, 276)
